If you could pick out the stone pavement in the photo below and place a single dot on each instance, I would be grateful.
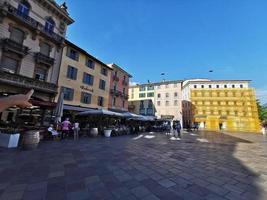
(150, 166)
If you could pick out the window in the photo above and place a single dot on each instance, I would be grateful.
(49, 25)
(100, 101)
(150, 94)
(167, 95)
(233, 86)
(142, 95)
(241, 86)
(159, 95)
(175, 94)
(68, 93)
(195, 86)
(167, 103)
(71, 53)
(89, 63)
(217, 86)
(88, 79)
(45, 49)
(123, 91)
(41, 73)
(132, 96)
(209, 86)
(123, 104)
(150, 87)
(17, 35)
(158, 103)
(104, 71)
(175, 102)
(102, 84)
(115, 87)
(9, 64)
(86, 97)
(124, 78)
(225, 86)
(23, 9)
(142, 88)
(72, 73)
(202, 86)
(150, 104)
(114, 101)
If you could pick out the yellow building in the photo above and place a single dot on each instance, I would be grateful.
(84, 79)
(221, 105)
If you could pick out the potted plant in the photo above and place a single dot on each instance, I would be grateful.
(9, 137)
(107, 131)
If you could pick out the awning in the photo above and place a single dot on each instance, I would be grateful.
(89, 112)
(75, 108)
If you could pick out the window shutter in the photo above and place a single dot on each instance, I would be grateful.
(9, 64)
(17, 35)
(45, 49)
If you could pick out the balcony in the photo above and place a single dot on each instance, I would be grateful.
(115, 92)
(41, 58)
(115, 78)
(29, 22)
(10, 45)
(124, 82)
(125, 96)
(26, 82)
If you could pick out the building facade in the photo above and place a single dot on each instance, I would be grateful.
(119, 86)
(84, 80)
(220, 105)
(162, 99)
(31, 40)
(141, 99)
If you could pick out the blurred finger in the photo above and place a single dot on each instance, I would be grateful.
(29, 94)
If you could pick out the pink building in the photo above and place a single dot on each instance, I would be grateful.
(119, 85)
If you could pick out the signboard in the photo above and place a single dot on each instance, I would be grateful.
(86, 88)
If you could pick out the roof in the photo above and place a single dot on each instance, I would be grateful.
(157, 83)
(116, 66)
(69, 43)
(187, 82)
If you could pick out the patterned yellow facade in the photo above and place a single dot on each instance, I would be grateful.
(232, 109)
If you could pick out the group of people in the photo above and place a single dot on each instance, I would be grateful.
(66, 128)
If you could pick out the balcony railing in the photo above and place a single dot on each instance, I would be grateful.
(41, 58)
(25, 18)
(115, 92)
(23, 81)
(10, 45)
(30, 22)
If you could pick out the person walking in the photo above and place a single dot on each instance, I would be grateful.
(178, 129)
(65, 128)
(76, 129)
(174, 128)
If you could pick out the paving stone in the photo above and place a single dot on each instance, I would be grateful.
(14, 195)
(121, 192)
(78, 195)
(151, 197)
(140, 191)
(166, 183)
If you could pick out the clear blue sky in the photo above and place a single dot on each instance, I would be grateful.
(182, 38)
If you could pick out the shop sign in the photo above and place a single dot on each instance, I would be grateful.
(86, 88)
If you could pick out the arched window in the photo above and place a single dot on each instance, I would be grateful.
(23, 8)
(49, 25)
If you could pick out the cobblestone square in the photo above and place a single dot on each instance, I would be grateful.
(204, 165)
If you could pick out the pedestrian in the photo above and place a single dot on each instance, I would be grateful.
(65, 128)
(178, 129)
(76, 129)
(174, 128)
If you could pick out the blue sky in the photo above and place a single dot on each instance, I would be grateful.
(182, 38)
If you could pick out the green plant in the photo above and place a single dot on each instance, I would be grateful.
(262, 111)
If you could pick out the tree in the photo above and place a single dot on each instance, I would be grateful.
(262, 110)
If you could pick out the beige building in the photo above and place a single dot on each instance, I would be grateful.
(31, 40)
(84, 79)
(162, 99)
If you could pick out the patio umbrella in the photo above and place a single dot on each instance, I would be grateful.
(100, 112)
(59, 107)
(130, 115)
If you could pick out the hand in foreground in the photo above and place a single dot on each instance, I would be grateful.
(22, 100)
